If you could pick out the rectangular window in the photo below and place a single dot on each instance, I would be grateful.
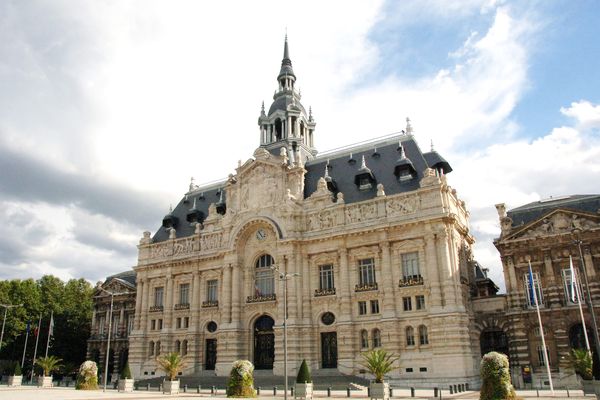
(178, 323)
(184, 293)
(115, 325)
(153, 325)
(423, 369)
(567, 282)
(362, 308)
(158, 296)
(326, 277)
(265, 285)
(407, 302)
(374, 306)
(212, 287)
(541, 356)
(159, 324)
(538, 290)
(366, 270)
(420, 302)
(410, 266)
(101, 322)
(130, 321)
(186, 322)
(409, 370)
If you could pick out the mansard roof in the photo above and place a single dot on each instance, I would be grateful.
(533, 211)
(283, 101)
(344, 164)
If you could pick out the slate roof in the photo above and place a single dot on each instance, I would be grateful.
(282, 101)
(127, 276)
(381, 156)
(532, 211)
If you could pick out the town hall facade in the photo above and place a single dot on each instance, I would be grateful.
(373, 242)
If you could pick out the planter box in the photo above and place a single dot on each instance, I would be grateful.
(596, 385)
(380, 390)
(170, 387)
(15, 380)
(587, 387)
(126, 385)
(303, 391)
(44, 381)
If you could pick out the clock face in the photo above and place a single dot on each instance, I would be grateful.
(261, 234)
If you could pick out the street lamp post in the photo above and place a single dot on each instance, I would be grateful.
(590, 305)
(112, 297)
(285, 277)
(6, 307)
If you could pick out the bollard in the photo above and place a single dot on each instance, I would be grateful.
(292, 391)
(435, 392)
(467, 386)
(455, 389)
(213, 390)
(451, 392)
(412, 392)
(391, 392)
(568, 395)
(198, 390)
(115, 385)
(274, 390)
(348, 391)
(329, 391)
(148, 387)
(258, 391)
(538, 392)
(369, 391)
(160, 387)
(184, 388)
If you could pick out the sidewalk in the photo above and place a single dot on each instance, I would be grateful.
(63, 393)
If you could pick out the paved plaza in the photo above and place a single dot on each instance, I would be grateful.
(62, 393)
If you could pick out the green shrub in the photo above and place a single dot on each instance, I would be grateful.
(304, 374)
(87, 377)
(126, 372)
(495, 378)
(581, 361)
(17, 371)
(241, 381)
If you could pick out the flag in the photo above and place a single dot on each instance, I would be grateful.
(28, 326)
(51, 327)
(531, 288)
(36, 330)
(573, 281)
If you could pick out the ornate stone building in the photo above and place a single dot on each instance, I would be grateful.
(123, 285)
(375, 242)
(546, 233)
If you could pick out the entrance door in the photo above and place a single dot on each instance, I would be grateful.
(264, 343)
(210, 354)
(329, 349)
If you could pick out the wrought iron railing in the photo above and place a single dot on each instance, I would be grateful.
(261, 298)
(411, 281)
(210, 303)
(156, 309)
(366, 287)
(182, 306)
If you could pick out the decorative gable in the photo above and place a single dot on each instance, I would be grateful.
(557, 222)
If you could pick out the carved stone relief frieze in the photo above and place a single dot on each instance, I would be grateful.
(560, 223)
(402, 206)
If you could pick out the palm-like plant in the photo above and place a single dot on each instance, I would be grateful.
(49, 364)
(171, 363)
(581, 361)
(379, 362)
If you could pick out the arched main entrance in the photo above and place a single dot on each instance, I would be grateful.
(493, 340)
(264, 343)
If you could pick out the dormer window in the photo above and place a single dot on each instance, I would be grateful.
(194, 215)
(170, 221)
(364, 183)
(404, 169)
(221, 206)
(364, 179)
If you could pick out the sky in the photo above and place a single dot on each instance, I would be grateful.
(108, 108)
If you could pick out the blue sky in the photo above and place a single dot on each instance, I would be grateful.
(108, 108)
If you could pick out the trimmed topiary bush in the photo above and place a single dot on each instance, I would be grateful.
(495, 378)
(241, 380)
(126, 372)
(87, 377)
(304, 373)
(17, 371)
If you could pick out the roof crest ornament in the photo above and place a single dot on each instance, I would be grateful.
(409, 128)
(432, 149)
(262, 108)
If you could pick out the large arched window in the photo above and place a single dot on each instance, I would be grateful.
(157, 351)
(410, 336)
(423, 338)
(364, 339)
(376, 338)
(263, 283)
(178, 346)
(184, 347)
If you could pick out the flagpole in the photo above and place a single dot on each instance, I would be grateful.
(50, 331)
(37, 339)
(25, 347)
(537, 307)
(575, 285)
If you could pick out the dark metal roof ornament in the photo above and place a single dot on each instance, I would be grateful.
(221, 206)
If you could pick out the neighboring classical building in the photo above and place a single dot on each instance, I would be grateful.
(379, 241)
(122, 322)
(546, 233)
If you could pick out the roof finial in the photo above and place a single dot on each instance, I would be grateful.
(326, 170)
(194, 206)
(310, 116)
(170, 208)
(432, 149)
(409, 128)
(262, 108)
(363, 164)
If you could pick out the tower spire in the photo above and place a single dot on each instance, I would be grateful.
(286, 70)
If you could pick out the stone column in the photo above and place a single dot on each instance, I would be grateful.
(139, 296)
(432, 273)
(388, 281)
(345, 287)
(446, 270)
(168, 304)
(236, 292)
(195, 306)
(122, 324)
(93, 321)
(304, 306)
(293, 284)
(589, 263)
(226, 285)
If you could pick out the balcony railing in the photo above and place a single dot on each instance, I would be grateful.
(324, 292)
(210, 303)
(182, 306)
(366, 287)
(156, 309)
(411, 281)
(261, 298)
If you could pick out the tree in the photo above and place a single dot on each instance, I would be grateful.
(304, 373)
(126, 372)
(171, 363)
(379, 363)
